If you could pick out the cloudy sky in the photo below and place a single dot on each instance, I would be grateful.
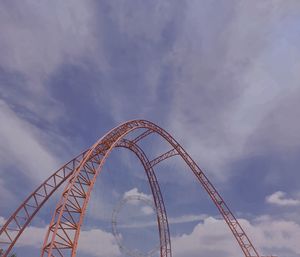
(223, 77)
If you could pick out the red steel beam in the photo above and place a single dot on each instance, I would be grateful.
(56, 241)
(63, 234)
(22, 216)
(19, 220)
(162, 219)
(163, 156)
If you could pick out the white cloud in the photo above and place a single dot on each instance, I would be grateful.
(33, 236)
(279, 237)
(213, 237)
(147, 210)
(95, 242)
(98, 243)
(279, 198)
(135, 192)
(208, 238)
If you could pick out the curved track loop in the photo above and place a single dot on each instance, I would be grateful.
(20, 219)
(162, 221)
(63, 233)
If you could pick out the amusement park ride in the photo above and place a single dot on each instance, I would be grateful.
(80, 175)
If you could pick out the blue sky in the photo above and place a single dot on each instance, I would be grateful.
(221, 76)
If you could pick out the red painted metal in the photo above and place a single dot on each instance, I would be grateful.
(19, 220)
(162, 220)
(163, 156)
(63, 234)
(10, 232)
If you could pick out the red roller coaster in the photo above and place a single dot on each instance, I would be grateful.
(81, 173)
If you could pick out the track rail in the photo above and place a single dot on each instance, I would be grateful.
(162, 219)
(13, 227)
(22, 216)
(63, 233)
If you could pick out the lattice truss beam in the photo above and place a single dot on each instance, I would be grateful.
(81, 173)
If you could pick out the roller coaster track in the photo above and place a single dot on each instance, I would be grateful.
(80, 175)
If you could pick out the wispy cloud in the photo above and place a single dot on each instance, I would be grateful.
(30, 63)
(29, 114)
(171, 220)
(6, 197)
(223, 78)
(187, 218)
(230, 99)
(37, 58)
(25, 142)
(2, 220)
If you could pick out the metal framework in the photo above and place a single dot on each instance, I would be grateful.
(162, 220)
(81, 173)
